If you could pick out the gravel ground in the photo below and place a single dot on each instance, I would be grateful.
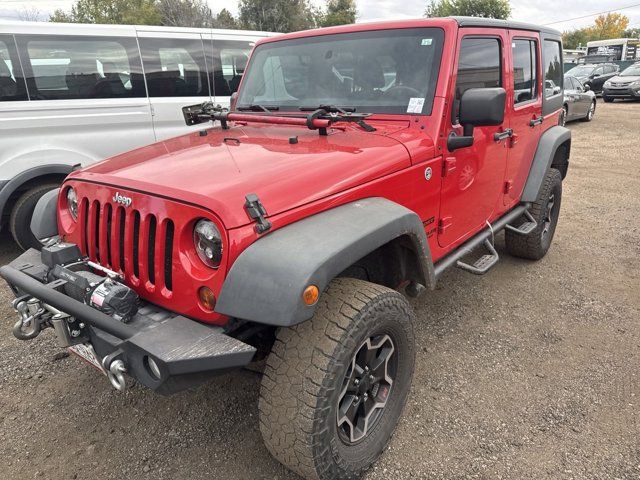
(530, 372)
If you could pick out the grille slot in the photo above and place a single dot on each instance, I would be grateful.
(140, 246)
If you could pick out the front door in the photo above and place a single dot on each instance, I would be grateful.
(524, 109)
(176, 74)
(473, 176)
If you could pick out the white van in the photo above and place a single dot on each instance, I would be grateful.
(73, 94)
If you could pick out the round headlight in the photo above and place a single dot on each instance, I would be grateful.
(72, 202)
(208, 243)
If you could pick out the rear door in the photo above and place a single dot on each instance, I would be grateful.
(227, 57)
(176, 75)
(87, 96)
(524, 109)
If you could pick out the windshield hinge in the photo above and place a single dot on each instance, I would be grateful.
(257, 212)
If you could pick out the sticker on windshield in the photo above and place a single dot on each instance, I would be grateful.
(426, 41)
(415, 105)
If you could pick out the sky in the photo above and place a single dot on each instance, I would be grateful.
(560, 13)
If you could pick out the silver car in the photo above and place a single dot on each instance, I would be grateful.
(579, 101)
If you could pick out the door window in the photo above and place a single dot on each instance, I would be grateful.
(12, 86)
(174, 67)
(525, 67)
(229, 62)
(552, 68)
(63, 68)
(479, 66)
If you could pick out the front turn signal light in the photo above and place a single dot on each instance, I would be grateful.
(207, 298)
(310, 295)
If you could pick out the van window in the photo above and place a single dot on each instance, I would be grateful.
(525, 66)
(174, 67)
(229, 62)
(479, 66)
(64, 68)
(11, 81)
(552, 68)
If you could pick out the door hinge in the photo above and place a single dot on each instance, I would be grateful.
(448, 166)
(257, 212)
(443, 224)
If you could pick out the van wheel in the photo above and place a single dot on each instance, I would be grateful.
(20, 219)
(334, 386)
(545, 210)
(591, 112)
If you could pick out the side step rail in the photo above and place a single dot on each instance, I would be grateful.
(484, 263)
(526, 228)
(474, 242)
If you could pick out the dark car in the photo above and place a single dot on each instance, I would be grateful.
(579, 101)
(594, 75)
(624, 85)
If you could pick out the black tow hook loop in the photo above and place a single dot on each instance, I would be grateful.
(257, 212)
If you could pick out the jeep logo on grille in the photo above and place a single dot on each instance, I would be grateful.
(122, 200)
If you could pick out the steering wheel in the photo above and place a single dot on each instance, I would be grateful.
(401, 92)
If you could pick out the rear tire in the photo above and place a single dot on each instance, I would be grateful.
(562, 121)
(311, 386)
(20, 219)
(545, 210)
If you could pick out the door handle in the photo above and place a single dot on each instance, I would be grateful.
(536, 121)
(506, 133)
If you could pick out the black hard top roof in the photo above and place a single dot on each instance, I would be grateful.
(495, 23)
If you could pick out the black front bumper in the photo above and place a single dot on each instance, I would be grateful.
(186, 352)
(627, 92)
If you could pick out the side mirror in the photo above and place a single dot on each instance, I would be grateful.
(586, 87)
(479, 107)
(595, 75)
(556, 90)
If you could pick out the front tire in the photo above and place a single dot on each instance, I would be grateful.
(545, 210)
(354, 359)
(20, 219)
(591, 112)
(607, 99)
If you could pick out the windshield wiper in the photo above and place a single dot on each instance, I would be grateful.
(258, 108)
(346, 114)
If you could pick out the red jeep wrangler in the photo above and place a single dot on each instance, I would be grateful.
(356, 162)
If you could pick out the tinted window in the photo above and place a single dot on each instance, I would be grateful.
(383, 71)
(174, 67)
(552, 68)
(479, 66)
(62, 68)
(609, 69)
(525, 66)
(11, 81)
(229, 62)
(598, 71)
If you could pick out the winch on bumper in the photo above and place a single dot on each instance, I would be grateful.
(163, 351)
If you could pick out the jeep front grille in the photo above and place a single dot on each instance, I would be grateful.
(126, 241)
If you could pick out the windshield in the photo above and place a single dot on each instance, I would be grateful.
(581, 71)
(382, 71)
(632, 71)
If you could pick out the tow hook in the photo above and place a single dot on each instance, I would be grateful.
(115, 372)
(29, 325)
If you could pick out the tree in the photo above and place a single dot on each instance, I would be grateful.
(29, 14)
(224, 19)
(277, 15)
(469, 8)
(185, 13)
(631, 33)
(125, 12)
(576, 38)
(611, 25)
(339, 12)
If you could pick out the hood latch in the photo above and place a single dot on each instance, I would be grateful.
(257, 212)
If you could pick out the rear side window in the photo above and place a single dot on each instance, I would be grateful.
(228, 65)
(174, 67)
(479, 66)
(552, 68)
(66, 68)
(525, 67)
(609, 69)
(12, 85)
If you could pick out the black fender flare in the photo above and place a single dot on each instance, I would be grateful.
(16, 182)
(550, 141)
(266, 282)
